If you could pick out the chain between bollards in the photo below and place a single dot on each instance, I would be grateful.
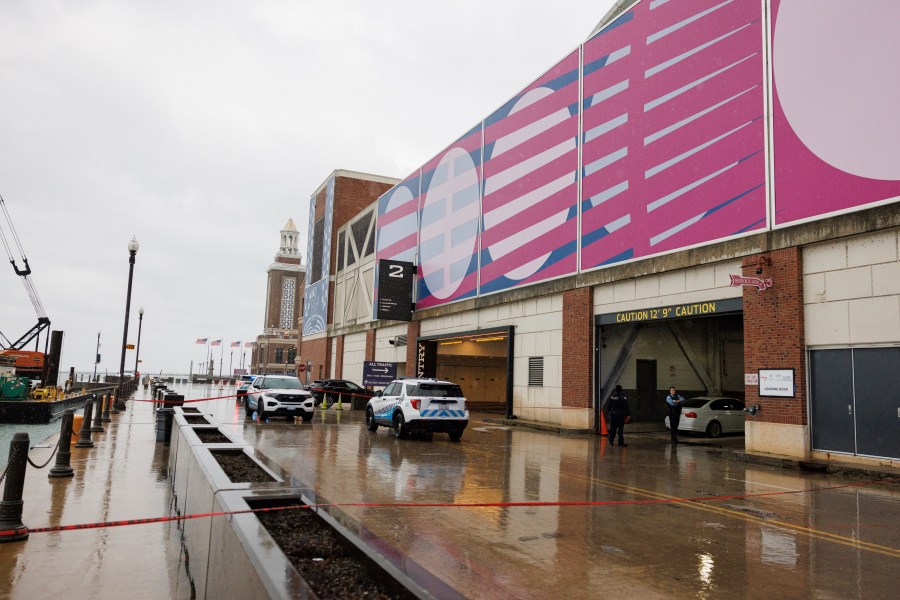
(49, 458)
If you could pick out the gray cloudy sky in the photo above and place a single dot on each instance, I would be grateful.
(201, 126)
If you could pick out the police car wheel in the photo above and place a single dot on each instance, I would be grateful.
(400, 426)
(247, 410)
(455, 435)
(371, 425)
(307, 417)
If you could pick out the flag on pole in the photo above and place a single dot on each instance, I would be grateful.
(235, 344)
(216, 343)
(202, 340)
(248, 344)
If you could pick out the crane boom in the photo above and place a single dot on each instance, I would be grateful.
(43, 322)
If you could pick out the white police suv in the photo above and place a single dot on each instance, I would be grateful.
(419, 406)
(280, 395)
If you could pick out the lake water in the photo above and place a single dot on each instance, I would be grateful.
(36, 435)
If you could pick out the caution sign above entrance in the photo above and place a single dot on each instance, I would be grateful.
(676, 311)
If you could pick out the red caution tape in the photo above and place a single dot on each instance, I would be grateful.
(558, 503)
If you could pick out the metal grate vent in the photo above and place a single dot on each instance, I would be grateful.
(536, 371)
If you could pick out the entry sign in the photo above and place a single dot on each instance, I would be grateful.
(378, 373)
(395, 281)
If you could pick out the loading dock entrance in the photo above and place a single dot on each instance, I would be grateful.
(698, 348)
(481, 362)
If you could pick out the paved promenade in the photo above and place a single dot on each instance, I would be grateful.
(646, 521)
(122, 477)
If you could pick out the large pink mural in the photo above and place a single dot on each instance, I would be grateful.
(673, 129)
(449, 214)
(530, 206)
(835, 119)
(668, 145)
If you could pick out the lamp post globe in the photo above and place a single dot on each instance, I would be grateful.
(120, 391)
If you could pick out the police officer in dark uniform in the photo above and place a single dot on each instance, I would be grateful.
(674, 402)
(616, 414)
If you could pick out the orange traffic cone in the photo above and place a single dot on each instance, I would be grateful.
(603, 430)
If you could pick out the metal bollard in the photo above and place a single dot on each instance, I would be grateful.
(119, 403)
(62, 467)
(11, 527)
(105, 401)
(97, 426)
(84, 438)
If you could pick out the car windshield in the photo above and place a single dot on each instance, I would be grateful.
(437, 390)
(284, 384)
(351, 386)
(695, 403)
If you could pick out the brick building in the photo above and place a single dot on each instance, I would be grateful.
(275, 349)
(341, 241)
(655, 210)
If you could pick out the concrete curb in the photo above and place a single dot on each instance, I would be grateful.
(821, 466)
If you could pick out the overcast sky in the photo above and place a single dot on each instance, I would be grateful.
(200, 127)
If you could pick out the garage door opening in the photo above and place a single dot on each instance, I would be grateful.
(479, 361)
(697, 348)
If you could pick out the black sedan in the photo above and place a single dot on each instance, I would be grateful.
(332, 389)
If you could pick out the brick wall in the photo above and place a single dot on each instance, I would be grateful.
(370, 344)
(773, 332)
(273, 306)
(317, 351)
(577, 347)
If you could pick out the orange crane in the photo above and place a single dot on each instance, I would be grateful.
(27, 363)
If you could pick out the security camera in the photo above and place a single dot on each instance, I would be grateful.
(759, 270)
(752, 410)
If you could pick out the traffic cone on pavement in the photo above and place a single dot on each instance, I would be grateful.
(339, 405)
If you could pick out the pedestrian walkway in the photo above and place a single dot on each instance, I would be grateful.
(122, 477)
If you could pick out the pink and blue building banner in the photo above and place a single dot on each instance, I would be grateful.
(673, 129)
(530, 194)
(652, 137)
(836, 91)
(398, 221)
(449, 223)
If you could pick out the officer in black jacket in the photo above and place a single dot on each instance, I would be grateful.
(616, 412)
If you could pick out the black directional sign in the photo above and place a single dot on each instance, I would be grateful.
(395, 281)
(378, 373)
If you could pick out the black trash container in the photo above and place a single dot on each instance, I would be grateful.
(164, 418)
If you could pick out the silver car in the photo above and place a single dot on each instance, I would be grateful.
(713, 415)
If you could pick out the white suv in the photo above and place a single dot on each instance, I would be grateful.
(419, 406)
(281, 395)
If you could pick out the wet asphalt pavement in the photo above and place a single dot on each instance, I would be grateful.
(662, 522)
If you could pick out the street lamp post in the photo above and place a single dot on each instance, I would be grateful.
(137, 352)
(132, 250)
(96, 357)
